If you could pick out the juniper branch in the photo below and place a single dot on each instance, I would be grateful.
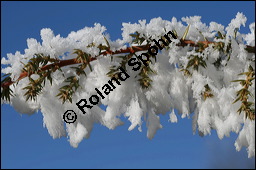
(132, 49)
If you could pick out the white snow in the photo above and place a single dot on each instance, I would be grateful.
(170, 88)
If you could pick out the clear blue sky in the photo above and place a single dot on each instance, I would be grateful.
(25, 143)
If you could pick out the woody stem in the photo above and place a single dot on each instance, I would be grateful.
(132, 49)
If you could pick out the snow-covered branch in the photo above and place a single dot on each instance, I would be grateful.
(208, 73)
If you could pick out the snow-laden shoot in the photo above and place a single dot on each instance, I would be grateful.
(207, 73)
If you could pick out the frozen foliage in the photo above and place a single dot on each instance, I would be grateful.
(170, 88)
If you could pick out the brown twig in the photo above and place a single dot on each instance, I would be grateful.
(63, 63)
(132, 49)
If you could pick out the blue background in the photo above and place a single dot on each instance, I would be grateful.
(26, 144)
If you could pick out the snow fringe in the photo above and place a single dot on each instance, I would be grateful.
(169, 89)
